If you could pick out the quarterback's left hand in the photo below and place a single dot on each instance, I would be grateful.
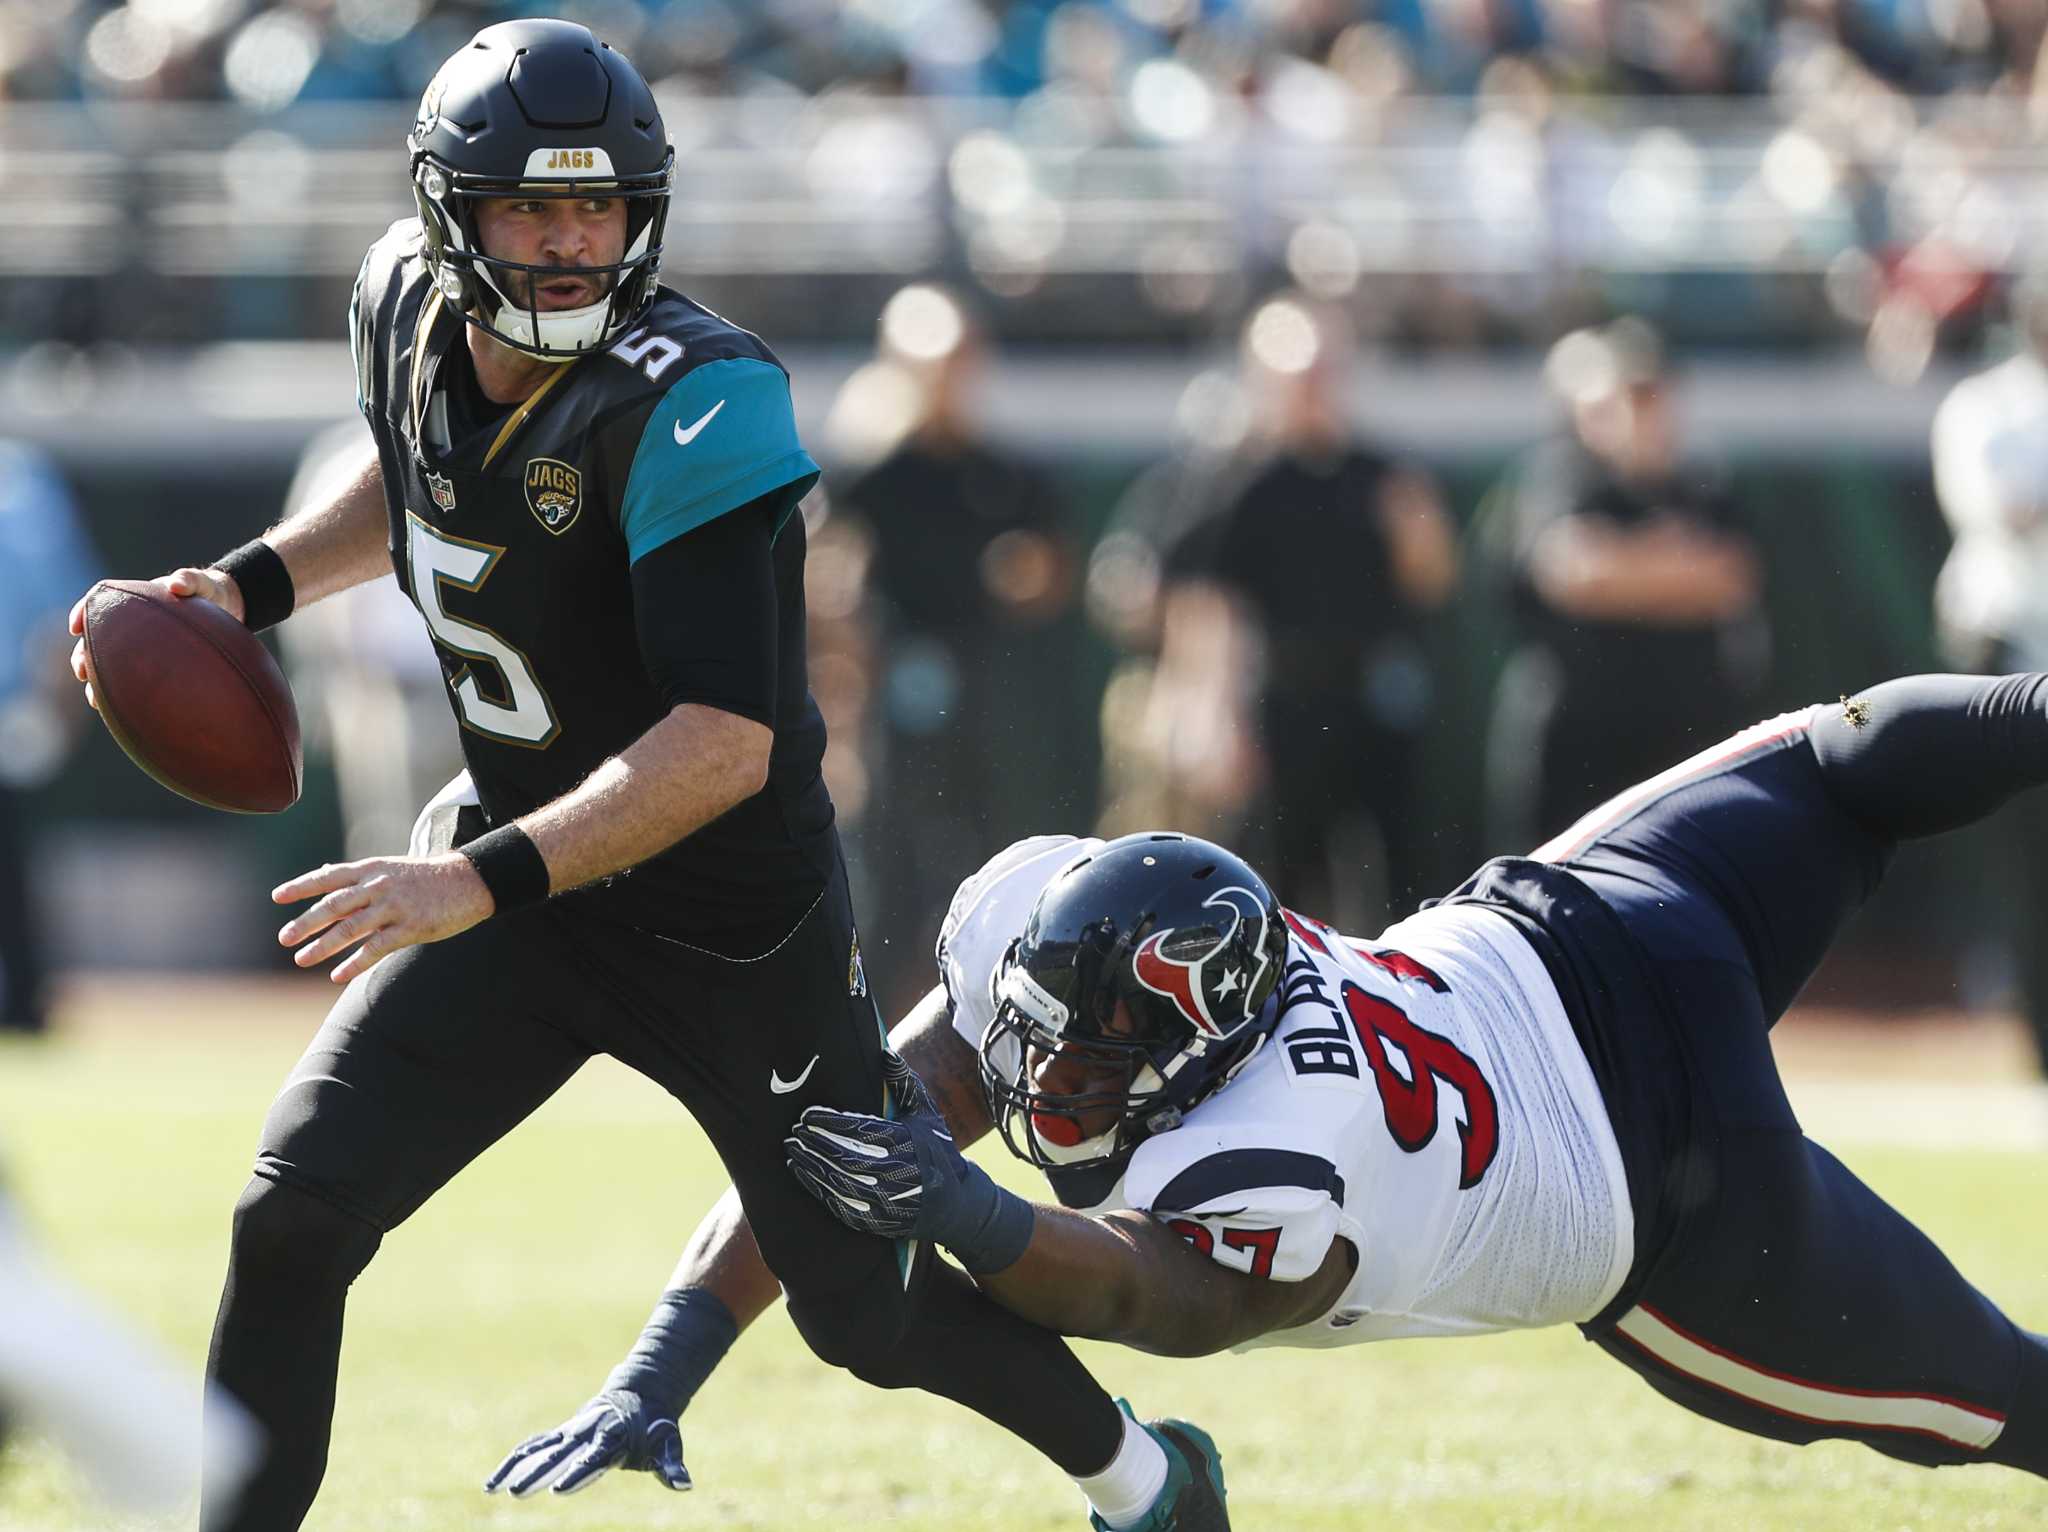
(906, 1178)
(379, 906)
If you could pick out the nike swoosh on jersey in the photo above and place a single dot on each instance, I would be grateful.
(684, 438)
(776, 1083)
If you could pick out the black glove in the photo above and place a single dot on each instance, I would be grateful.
(905, 1178)
(615, 1430)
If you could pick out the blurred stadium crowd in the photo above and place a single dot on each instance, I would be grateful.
(1461, 172)
(269, 53)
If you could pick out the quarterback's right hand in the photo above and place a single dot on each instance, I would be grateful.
(614, 1430)
(213, 584)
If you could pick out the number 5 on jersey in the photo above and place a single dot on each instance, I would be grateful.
(525, 716)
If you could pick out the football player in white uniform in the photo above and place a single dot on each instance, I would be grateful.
(1549, 1098)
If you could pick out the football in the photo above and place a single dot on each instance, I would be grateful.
(193, 697)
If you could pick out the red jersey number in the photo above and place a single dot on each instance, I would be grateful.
(1263, 1244)
(1410, 1101)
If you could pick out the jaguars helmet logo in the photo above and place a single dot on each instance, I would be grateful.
(554, 493)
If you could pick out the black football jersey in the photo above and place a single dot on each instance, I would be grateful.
(514, 534)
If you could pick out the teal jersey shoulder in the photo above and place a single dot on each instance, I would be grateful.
(722, 436)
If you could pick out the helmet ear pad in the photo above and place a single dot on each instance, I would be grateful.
(448, 242)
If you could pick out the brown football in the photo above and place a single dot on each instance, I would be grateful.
(193, 697)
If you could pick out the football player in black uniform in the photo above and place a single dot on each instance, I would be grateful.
(587, 485)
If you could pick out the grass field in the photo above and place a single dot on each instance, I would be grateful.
(500, 1307)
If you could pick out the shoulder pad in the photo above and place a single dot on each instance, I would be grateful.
(402, 242)
(987, 911)
(674, 337)
(388, 269)
(1269, 1211)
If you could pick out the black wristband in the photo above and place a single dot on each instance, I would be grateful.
(265, 584)
(511, 866)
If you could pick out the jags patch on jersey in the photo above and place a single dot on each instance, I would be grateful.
(554, 493)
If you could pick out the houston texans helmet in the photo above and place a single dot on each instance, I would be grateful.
(1188, 938)
(540, 109)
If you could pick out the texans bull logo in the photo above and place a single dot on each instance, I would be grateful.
(1200, 971)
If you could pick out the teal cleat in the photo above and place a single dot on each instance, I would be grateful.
(1193, 1500)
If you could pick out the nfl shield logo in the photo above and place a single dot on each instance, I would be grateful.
(442, 488)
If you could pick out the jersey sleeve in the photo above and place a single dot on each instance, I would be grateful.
(1267, 1211)
(723, 436)
(987, 911)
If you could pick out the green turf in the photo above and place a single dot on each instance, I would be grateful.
(500, 1307)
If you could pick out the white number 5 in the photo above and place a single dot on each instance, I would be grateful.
(652, 354)
(528, 718)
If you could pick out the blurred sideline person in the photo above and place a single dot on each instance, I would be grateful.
(587, 484)
(1637, 592)
(1990, 457)
(1547, 1099)
(45, 554)
(140, 1429)
(968, 570)
(1332, 554)
(1173, 751)
(365, 670)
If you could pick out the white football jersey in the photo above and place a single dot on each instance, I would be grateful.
(1422, 1096)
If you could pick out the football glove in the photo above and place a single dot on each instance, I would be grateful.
(905, 1178)
(615, 1430)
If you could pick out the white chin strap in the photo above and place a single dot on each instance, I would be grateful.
(569, 332)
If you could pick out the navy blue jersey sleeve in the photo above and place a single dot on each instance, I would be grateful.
(722, 437)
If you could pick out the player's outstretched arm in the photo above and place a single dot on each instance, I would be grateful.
(719, 1287)
(1128, 1278)
(1123, 1277)
(328, 546)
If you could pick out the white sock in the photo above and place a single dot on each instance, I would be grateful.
(1124, 1491)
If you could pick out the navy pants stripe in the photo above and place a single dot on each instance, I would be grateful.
(1790, 1300)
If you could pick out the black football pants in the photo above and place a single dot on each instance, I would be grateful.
(442, 1049)
(1787, 1298)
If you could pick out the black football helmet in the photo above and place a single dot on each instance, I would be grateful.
(540, 109)
(1188, 937)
